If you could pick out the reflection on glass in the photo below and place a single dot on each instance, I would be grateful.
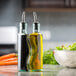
(23, 74)
(30, 73)
(36, 73)
(67, 72)
(8, 70)
(7, 74)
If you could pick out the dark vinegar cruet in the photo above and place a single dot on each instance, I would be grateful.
(23, 49)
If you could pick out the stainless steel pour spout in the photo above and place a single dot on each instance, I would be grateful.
(23, 24)
(35, 17)
(23, 16)
(36, 24)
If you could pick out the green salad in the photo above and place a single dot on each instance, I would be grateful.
(71, 47)
(48, 57)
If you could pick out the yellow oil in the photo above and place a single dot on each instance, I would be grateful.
(36, 58)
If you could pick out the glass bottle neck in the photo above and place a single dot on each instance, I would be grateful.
(23, 27)
(36, 27)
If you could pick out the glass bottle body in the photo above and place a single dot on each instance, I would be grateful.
(23, 53)
(36, 55)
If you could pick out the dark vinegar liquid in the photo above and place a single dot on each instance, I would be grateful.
(23, 53)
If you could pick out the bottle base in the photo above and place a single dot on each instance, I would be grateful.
(37, 70)
(22, 71)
